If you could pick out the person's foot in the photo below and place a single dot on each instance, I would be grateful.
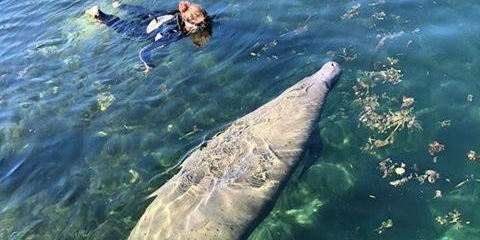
(116, 4)
(93, 12)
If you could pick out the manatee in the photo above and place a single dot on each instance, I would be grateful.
(228, 185)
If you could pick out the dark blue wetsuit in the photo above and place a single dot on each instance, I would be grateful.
(163, 33)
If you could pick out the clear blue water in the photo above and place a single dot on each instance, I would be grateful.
(69, 160)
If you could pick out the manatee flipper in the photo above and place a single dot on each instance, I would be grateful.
(313, 150)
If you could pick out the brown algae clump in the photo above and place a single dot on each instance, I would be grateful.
(387, 123)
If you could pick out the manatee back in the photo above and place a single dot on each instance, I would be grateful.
(224, 188)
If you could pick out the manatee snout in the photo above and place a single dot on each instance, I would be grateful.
(329, 74)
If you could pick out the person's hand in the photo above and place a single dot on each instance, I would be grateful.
(116, 4)
(147, 69)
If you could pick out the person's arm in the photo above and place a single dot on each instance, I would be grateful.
(146, 52)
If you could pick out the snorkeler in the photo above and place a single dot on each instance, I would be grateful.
(159, 26)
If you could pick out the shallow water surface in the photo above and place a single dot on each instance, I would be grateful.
(85, 135)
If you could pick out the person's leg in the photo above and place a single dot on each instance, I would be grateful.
(129, 28)
(96, 14)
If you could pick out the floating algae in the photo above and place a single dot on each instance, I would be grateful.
(472, 156)
(384, 225)
(348, 53)
(451, 218)
(387, 123)
(435, 147)
(375, 115)
(407, 102)
(391, 171)
(457, 210)
(390, 75)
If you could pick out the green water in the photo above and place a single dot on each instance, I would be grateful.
(85, 135)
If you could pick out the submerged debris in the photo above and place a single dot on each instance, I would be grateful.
(438, 194)
(445, 123)
(102, 134)
(435, 147)
(170, 128)
(469, 97)
(135, 176)
(379, 15)
(264, 49)
(105, 100)
(400, 171)
(187, 135)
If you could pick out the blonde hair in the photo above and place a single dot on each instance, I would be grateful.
(201, 36)
(192, 13)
